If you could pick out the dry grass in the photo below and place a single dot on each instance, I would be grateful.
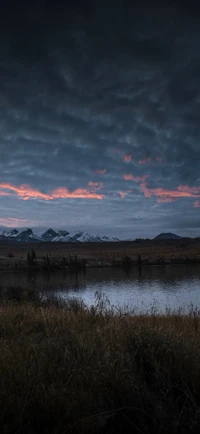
(68, 369)
(105, 254)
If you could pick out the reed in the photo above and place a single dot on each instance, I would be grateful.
(66, 368)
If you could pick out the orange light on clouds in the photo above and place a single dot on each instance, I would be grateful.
(146, 160)
(149, 160)
(166, 199)
(79, 193)
(13, 222)
(26, 192)
(165, 195)
(162, 194)
(129, 177)
(96, 185)
(100, 172)
(122, 194)
(127, 158)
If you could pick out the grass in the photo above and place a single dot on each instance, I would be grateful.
(57, 255)
(65, 368)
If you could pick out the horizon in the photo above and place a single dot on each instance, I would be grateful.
(100, 124)
(39, 230)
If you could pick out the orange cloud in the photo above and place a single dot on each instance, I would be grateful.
(162, 194)
(100, 172)
(13, 222)
(96, 185)
(149, 160)
(165, 195)
(127, 158)
(79, 193)
(26, 192)
(129, 177)
(122, 194)
(166, 199)
(146, 160)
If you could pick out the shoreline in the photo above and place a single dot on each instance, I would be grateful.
(81, 256)
(21, 267)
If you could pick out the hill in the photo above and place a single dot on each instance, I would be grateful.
(167, 236)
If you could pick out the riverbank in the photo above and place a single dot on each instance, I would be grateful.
(69, 369)
(80, 264)
(76, 256)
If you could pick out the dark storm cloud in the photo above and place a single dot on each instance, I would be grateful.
(77, 83)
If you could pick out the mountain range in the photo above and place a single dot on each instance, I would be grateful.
(27, 236)
(63, 236)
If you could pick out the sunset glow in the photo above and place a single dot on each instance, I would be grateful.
(12, 222)
(100, 172)
(129, 177)
(146, 160)
(102, 133)
(159, 159)
(127, 158)
(165, 195)
(26, 192)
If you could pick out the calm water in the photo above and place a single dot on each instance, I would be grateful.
(158, 287)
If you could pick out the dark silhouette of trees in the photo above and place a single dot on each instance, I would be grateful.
(31, 258)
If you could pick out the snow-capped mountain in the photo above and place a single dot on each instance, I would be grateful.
(62, 236)
(23, 236)
(49, 235)
(11, 234)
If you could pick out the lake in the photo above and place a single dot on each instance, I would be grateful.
(142, 290)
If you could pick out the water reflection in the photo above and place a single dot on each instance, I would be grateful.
(140, 288)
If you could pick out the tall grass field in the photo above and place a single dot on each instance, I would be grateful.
(66, 368)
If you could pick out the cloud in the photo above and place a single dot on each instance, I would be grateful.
(164, 195)
(10, 221)
(166, 199)
(96, 185)
(149, 160)
(133, 93)
(15, 222)
(146, 160)
(100, 171)
(129, 177)
(127, 158)
(122, 194)
(26, 192)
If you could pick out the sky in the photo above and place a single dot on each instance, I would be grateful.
(100, 116)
